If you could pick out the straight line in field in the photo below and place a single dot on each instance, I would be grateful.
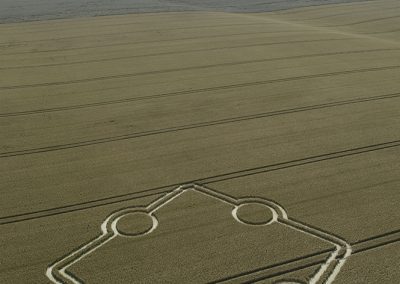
(311, 260)
(158, 41)
(205, 180)
(203, 49)
(192, 126)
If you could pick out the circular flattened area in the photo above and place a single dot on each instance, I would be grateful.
(135, 224)
(254, 214)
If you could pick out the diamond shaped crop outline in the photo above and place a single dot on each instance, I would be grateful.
(57, 272)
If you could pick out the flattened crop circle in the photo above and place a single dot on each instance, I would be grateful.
(254, 214)
(135, 224)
